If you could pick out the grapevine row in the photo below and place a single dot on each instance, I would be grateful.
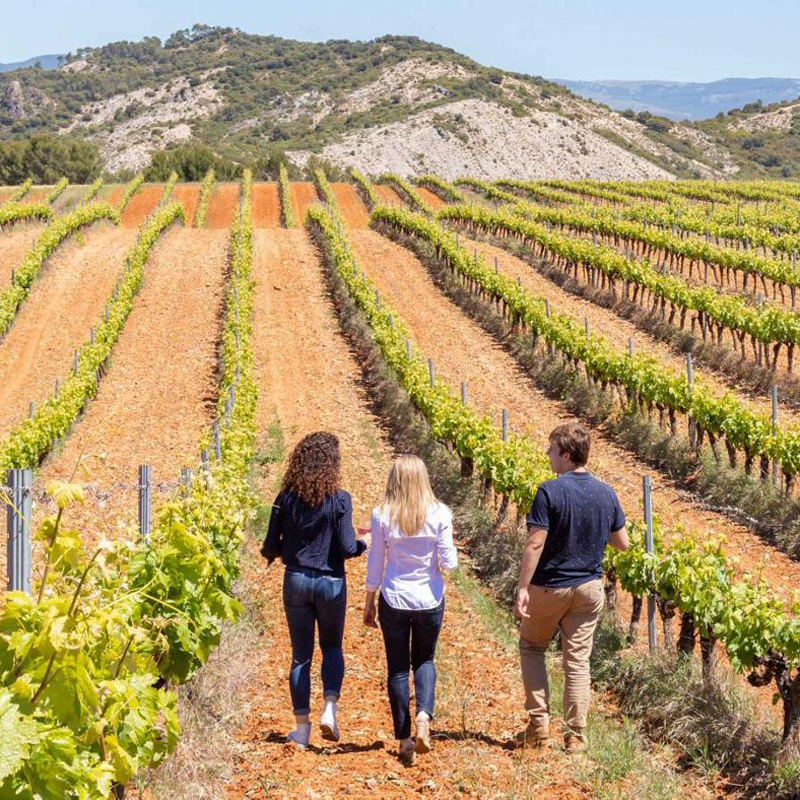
(365, 186)
(515, 467)
(58, 230)
(205, 195)
(442, 188)
(724, 262)
(287, 213)
(57, 191)
(84, 666)
(92, 191)
(771, 327)
(20, 191)
(17, 212)
(130, 191)
(406, 191)
(638, 379)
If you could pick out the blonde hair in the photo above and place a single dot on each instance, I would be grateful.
(408, 494)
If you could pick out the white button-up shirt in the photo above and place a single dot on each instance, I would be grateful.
(408, 569)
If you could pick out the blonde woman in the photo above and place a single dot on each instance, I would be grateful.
(412, 545)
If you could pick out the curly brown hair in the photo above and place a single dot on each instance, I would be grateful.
(313, 471)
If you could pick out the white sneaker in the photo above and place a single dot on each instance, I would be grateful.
(327, 723)
(301, 735)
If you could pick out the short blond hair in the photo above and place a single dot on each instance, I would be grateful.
(408, 494)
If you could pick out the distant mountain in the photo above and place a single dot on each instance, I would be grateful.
(47, 62)
(693, 101)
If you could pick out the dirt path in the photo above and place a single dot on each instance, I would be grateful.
(351, 205)
(617, 331)
(56, 318)
(431, 198)
(308, 380)
(222, 205)
(188, 194)
(388, 195)
(462, 351)
(142, 204)
(159, 393)
(15, 241)
(302, 196)
(266, 205)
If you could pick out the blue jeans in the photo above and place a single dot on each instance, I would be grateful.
(410, 640)
(312, 598)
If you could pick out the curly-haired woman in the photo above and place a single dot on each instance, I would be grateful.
(311, 530)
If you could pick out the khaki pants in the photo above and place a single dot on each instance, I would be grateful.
(574, 609)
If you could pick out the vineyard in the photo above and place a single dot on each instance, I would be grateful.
(165, 345)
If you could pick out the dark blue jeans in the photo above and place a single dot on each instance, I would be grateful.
(311, 598)
(410, 640)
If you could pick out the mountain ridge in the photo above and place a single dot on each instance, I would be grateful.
(392, 103)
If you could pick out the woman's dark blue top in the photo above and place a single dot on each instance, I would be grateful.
(312, 537)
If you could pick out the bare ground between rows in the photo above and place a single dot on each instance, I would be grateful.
(351, 205)
(15, 242)
(266, 205)
(222, 205)
(462, 351)
(308, 380)
(618, 331)
(142, 204)
(388, 195)
(55, 320)
(302, 195)
(188, 195)
(159, 394)
(431, 198)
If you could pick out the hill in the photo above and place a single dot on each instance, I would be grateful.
(46, 62)
(396, 103)
(692, 101)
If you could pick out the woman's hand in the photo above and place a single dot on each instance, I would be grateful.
(370, 616)
(366, 536)
(370, 611)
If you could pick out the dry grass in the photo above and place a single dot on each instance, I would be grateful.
(211, 708)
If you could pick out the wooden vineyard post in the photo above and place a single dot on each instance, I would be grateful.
(505, 424)
(186, 480)
(18, 517)
(649, 546)
(431, 371)
(145, 501)
(463, 393)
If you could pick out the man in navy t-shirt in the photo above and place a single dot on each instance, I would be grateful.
(572, 519)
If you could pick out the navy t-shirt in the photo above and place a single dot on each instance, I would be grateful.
(578, 512)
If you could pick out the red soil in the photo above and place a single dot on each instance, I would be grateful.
(189, 195)
(64, 303)
(222, 205)
(302, 195)
(351, 205)
(266, 205)
(388, 195)
(142, 204)
(159, 393)
(432, 199)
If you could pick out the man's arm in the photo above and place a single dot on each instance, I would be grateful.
(619, 539)
(530, 560)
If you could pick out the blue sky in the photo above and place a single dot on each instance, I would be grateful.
(625, 39)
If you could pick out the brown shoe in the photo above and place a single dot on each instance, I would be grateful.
(536, 735)
(575, 743)
(407, 756)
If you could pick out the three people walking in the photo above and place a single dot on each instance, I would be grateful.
(572, 519)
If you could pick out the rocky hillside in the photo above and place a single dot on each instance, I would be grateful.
(394, 103)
